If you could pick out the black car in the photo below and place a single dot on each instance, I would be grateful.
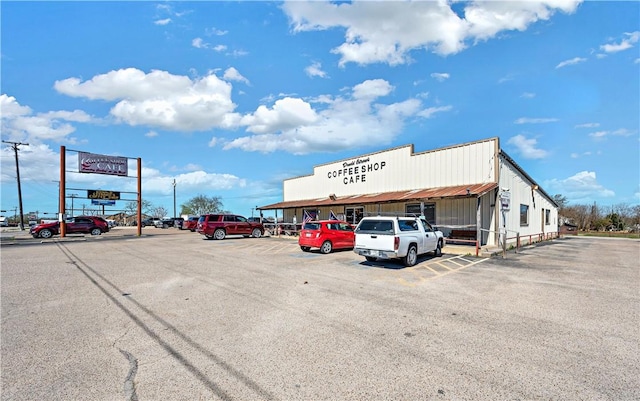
(165, 223)
(149, 222)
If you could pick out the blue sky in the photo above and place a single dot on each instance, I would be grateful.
(230, 98)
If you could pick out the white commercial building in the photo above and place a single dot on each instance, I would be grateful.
(472, 190)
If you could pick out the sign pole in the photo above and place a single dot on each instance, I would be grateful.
(139, 197)
(63, 185)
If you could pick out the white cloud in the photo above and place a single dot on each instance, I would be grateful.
(626, 43)
(18, 123)
(573, 61)
(194, 182)
(231, 74)
(286, 114)
(371, 89)
(151, 134)
(213, 142)
(527, 147)
(528, 95)
(599, 134)
(429, 112)
(580, 187)
(165, 21)
(372, 36)
(356, 119)
(199, 43)
(159, 99)
(11, 108)
(440, 76)
(588, 125)
(525, 120)
(315, 70)
(220, 48)
(603, 134)
(171, 102)
(215, 32)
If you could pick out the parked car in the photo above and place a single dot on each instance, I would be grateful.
(177, 222)
(218, 226)
(190, 224)
(326, 235)
(151, 221)
(93, 225)
(164, 223)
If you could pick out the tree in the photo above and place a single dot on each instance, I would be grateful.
(160, 212)
(561, 200)
(202, 204)
(132, 207)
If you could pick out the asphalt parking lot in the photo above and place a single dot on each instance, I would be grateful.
(171, 316)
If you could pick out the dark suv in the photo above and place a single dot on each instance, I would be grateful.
(93, 225)
(219, 226)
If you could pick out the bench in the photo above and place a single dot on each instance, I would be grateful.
(463, 235)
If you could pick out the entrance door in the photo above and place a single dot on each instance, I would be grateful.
(353, 215)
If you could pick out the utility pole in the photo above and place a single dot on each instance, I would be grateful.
(72, 196)
(15, 145)
(174, 197)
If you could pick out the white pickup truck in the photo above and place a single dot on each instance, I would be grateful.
(382, 237)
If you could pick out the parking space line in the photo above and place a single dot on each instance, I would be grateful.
(416, 278)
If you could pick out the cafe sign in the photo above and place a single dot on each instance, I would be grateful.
(356, 171)
(102, 164)
(104, 195)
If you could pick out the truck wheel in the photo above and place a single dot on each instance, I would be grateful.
(371, 258)
(326, 247)
(412, 256)
(438, 251)
(219, 234)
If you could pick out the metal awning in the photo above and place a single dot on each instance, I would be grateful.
(459, 191)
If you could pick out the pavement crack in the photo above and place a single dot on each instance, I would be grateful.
(129, 382)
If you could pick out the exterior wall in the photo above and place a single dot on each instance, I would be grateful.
(524, 192)
(398, 169)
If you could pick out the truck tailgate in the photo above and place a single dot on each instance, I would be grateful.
(380, 242)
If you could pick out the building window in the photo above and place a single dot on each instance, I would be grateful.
(547, 217)
(429, 211)
(353, 215)
(524, 215)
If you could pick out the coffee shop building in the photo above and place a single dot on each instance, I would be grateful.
(473, 188)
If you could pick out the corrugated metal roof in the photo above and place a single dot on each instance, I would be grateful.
(415, 194)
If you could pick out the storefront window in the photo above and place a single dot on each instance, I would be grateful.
(429, 211)
(524, 215)
(353, 215)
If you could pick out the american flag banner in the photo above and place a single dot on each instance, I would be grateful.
(332, 216)
(306, 217)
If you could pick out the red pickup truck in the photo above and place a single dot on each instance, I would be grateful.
(218, 226)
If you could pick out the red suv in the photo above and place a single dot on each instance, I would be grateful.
(190, 224)
(93, 225)
(219, 226)
(326, 235)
